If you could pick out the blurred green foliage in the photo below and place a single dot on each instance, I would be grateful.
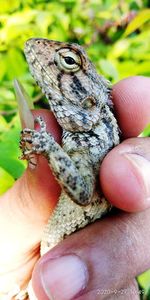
(115, 34)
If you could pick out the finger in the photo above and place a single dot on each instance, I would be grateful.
(131, 99)
(24, 210)
(51, 123)
(37, 191)
(106, 255)
(131, 291)
(43, 188)
(33, 196)
(125, 175)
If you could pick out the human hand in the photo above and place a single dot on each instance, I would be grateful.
(106, 255)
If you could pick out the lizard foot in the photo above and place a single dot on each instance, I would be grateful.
(35, 142)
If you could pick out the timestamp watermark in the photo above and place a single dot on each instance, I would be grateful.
(127, 291)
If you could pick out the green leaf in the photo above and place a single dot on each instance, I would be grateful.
(6, 6)
(139, 20)
(146, 131)
(119, 48)
(144, 280)
(108, 69)
(9, 150)
(2, 68)
(3, 124)
(6, 181)
(15, 67)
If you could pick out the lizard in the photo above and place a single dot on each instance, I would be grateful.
(81, 101)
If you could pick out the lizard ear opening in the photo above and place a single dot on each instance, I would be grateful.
(68, 60)
(88, 102)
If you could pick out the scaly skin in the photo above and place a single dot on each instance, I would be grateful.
(80, 100)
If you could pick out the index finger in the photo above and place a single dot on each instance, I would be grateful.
(131, 98)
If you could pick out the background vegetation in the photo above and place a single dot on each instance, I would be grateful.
(116, 36)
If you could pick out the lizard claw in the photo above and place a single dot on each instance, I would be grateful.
(35, 142)
(39, 120)
(25, 139)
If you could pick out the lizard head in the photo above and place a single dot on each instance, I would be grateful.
(75, 91)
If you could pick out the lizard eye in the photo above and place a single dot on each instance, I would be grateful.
(68, 60)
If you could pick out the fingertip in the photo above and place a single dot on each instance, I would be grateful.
(51, 123)
(131, 100)
(118, 183)
(124, 178)
(36, 290)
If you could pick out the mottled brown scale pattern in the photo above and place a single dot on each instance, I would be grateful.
(80, 100)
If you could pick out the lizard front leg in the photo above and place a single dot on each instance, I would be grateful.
(76, 181)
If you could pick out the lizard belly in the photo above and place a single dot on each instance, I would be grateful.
(69, 217)
(87, 151)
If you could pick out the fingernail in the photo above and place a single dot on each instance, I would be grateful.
(142, 170)
(63, 278)
(33, 162)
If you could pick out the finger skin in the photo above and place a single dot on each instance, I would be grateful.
(125, 175)
(115, 250)
(41, 186)
(24, 210)
(41, 181)
(131, 291)
(132, 105)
